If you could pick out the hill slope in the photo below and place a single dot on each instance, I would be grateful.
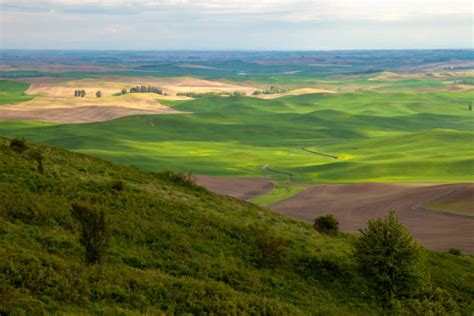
(175, 247)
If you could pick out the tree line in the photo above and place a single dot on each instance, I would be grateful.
(79, 93)
(272, 90)
(144, 89)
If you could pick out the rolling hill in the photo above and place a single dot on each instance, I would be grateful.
(389, 137)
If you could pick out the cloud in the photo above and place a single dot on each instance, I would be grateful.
(241, 24)
(291, 10)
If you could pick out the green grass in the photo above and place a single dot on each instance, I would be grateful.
(389, 137)
(460, 208)
(280, 192)
(176, 248)
(12, 92)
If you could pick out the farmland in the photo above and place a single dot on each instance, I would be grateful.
(390, 137)
(276, 137)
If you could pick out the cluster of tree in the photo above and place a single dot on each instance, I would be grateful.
(143, 89)
(219, 94)
(272, 90)
(79, 93)
(465, 81)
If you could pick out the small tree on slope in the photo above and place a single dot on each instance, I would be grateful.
(389, 258)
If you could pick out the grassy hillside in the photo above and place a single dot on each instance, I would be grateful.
(11, 92)
(402, 136)
(176, 248)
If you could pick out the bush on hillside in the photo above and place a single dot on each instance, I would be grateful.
(455, 251)
(326, 224)
(320, 269)
(18, 145)
(118, 186)
(94, 231)
(269, 248)
(389, 258)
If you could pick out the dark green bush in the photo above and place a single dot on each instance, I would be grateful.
(321, 269)
(326, 224)
(118, 186)
(18, 145)
(269, 248)
(94, 231)
(389, 258)
(455, 251)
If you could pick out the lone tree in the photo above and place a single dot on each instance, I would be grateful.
(326, 224)
(82, 93)
(98, 94)
(18, 145)
(389, 258)
(94, 231)
(469, 106)
(124, 91)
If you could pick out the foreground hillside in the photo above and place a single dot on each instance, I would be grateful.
(174, 247)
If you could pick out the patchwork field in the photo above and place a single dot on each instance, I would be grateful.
(394, 137)
(357, 130)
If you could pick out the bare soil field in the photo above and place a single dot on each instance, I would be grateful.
(82, 110)
(74, 115)
(110, 85)
(243, 188)
(355, 204)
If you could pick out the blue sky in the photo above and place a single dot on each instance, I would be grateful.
(236, 24)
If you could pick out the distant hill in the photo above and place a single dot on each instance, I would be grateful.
(175, 248)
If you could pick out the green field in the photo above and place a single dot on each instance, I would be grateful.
(175, 248)
(390, 136)
(12, 92)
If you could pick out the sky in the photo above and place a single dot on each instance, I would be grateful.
(236, 24)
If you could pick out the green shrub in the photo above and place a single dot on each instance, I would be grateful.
(118, 186)
(389, 258)
(94, 231)
(326, 224)
(269, 248)
(455, 251)
(18, 145)
(321, 269)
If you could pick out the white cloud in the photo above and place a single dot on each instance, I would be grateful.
(243, 24)
(375, 10)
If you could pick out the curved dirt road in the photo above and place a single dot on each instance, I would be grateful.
(318, 153)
